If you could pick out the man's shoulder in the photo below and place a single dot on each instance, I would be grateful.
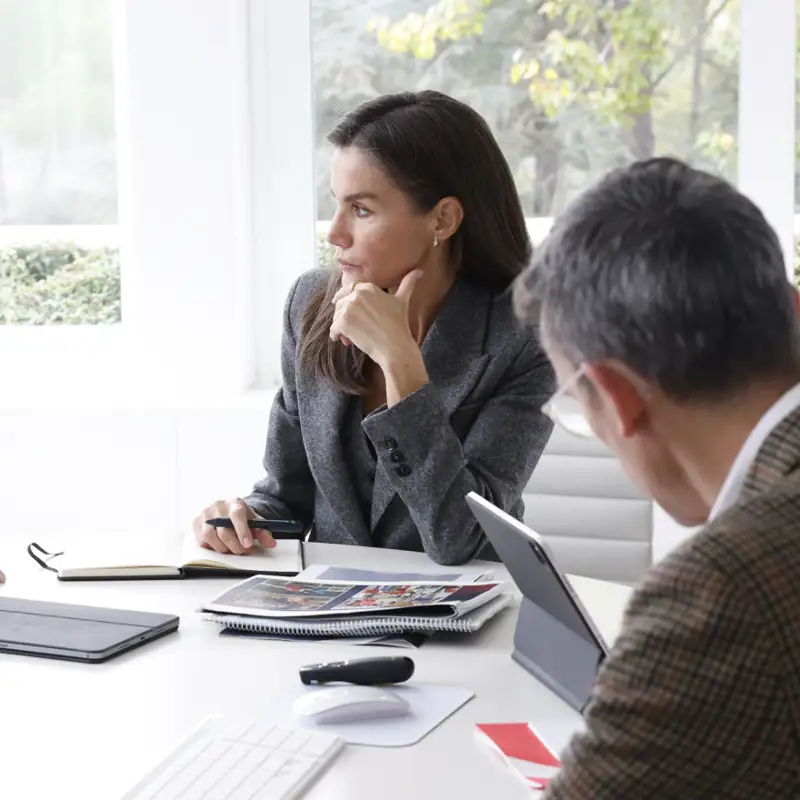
(744, 550)
(758, 530)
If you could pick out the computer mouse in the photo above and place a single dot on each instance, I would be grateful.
(349, 704)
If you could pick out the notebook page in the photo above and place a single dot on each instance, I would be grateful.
(120, 550)
(285, 557)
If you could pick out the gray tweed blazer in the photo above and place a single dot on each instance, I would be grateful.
(477, 426)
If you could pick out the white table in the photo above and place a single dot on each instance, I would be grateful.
(70, 730)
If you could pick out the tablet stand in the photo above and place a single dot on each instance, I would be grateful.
(555, 655)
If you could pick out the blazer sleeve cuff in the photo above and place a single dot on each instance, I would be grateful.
(406, 436)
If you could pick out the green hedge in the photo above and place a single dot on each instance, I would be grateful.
(797, 262)
(63, 283)
(325, 252)
(59, 283)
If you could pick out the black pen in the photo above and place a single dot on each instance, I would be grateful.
(279, 528)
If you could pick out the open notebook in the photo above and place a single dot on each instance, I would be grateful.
(167, 557)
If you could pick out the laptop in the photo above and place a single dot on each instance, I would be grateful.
(555, 638)
(76, 633)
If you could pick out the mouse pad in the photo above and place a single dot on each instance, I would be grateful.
(431, 704)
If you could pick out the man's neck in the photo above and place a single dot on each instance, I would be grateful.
(709, 437)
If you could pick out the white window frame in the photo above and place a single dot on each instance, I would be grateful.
(185, 223)
(187, 205)
(215, 116)
(767, 101)
(284, 207)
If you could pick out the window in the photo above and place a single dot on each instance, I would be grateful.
(181, 133)
(58, 187)
(223, 170)
(703, 80)
(570, 88)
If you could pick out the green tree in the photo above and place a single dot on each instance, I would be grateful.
(614, 76)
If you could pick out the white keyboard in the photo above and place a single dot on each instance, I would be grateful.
(229, 759)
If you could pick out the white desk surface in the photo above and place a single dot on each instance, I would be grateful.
(90, 731)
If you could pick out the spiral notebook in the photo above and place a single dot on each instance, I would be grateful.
(344, 608)
(376, 625)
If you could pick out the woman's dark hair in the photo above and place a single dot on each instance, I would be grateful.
(430, 146)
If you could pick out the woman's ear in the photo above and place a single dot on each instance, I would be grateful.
(447, 217)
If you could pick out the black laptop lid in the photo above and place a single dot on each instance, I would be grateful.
(86, 633)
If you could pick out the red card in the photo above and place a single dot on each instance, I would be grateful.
(523, 750)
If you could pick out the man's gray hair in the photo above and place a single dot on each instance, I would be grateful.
(672, 271)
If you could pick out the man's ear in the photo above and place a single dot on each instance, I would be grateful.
(619, 388)
(447, 216)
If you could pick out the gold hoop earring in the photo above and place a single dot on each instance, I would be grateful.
(435, 240)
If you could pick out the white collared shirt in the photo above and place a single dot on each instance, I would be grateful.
(729, 493)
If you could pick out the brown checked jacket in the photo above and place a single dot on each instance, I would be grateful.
(700, 697)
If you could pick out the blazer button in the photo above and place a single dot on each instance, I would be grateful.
(403, 470)
(391, 444)
(397, 456)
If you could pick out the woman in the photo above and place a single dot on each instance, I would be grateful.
(406, 382)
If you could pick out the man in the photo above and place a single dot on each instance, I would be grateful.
(666, 310)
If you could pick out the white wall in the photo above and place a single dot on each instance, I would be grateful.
(102, 471)
(667, 534)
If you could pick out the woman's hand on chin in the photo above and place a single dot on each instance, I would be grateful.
(375, 321)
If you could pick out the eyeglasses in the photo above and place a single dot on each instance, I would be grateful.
(567, 411)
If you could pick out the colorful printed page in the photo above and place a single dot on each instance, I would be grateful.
(523, 750)
(288, 597)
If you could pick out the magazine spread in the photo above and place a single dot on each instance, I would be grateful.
(269, 596)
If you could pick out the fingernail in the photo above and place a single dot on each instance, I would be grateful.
(247, 541)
